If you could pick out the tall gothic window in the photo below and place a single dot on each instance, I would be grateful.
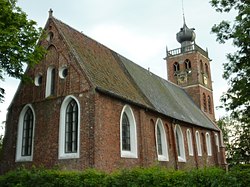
(198, 143)
(201, 66)
(27, 133)
(125, 133)
(190, 143)
(71, 127)
(180, 144)
(69, 131)
(208, 144)
(25, 136)
(204, 102)
(128, 135)
(161, 141)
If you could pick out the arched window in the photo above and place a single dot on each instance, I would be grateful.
(176, 67)
(190, 143)
(208, 143)
(198, 143)
(69, 132)
(217, 142)
(25, 137)
(206, 68)
(161, 141)
(204, 102)
(209, 104)
(50, 82)
(180, 144)
(128, 136)
(201, 66)
(187, 64)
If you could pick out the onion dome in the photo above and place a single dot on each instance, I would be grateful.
(185, 36)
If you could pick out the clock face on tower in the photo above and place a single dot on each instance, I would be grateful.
(181, 78)
(205, 79)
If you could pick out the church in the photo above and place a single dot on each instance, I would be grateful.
(90, 107)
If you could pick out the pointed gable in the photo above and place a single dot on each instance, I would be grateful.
(114, 74)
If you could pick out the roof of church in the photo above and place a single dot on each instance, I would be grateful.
(114, 74)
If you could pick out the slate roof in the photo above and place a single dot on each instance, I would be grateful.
(114, 74)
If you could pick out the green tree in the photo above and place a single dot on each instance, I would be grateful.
(237, 69)
(236, 139)
(18, 39)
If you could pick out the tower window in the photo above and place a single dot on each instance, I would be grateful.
(209, 104)
(201, 66)
(204, 102)
(176, 67)
(206, 68)
(187, 64)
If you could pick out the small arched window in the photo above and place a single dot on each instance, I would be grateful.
(201, 66)
(25, 137)
(206, 68)
(69, 131)
(128, 135)
(176, 67)
(180, 144)
(190, 143)
(209, 104)
(198, 143)
(208, 144)
(51, 82)
(161, 141)
(187, 64)
(204, 102)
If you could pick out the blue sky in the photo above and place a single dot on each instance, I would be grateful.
(137, 29)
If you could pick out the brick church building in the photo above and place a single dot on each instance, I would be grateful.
(90, 107)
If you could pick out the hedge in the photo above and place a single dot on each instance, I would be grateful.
(154, 176)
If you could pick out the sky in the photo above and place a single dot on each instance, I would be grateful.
(140, 30)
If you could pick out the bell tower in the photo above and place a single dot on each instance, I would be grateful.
(189, 67)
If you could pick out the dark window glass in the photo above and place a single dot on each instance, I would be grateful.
(125, 133)
(159, 140)
(65, 72)
(187, 64)
(176, 67)
(27, 133)
(53, 79)
(71, 127)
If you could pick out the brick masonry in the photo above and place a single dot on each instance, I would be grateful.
(99, 122)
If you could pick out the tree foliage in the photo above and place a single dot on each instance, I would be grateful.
(18, 39)
(237, 69)
(236, 139)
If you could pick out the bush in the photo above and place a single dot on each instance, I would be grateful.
(154, 176)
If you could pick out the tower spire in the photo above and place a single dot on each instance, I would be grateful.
(183, 14)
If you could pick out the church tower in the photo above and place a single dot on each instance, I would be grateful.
(189, 67)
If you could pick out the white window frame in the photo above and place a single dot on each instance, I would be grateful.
(19, 157)
(198, 143)
(133, 134)
(48, 81)
(217, 142)
(190, 143)
(182, 156)
(164, 156)
(61, 148)
(208, 144)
